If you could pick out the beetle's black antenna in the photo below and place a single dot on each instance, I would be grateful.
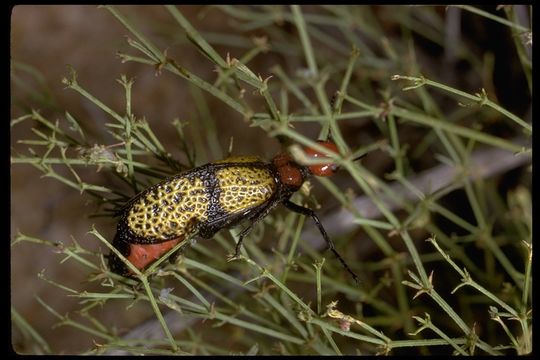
(308, 212)
(359, 157)
(338, 167)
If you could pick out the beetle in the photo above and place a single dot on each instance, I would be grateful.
(212, 197)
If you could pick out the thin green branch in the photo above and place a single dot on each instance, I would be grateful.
(479, 98)
(490, 16)
(304, 39)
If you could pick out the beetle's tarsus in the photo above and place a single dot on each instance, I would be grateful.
(232, 257)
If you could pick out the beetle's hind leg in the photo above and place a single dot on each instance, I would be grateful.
(255, 218)
(308, 212)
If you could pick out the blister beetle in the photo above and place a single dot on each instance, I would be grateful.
(209, 198)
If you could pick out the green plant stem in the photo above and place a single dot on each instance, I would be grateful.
(304, 39)
(492, 17)
(21, 323)
(64, 320)
(318, 269)
(196, 38)
(350, 334)
(481, 99)
(292, 249)
(528, 277)
(394, 139)
(426, 342)
(456, 129)
(334, 130)
(159, 315)
(467, 280)
(402, 299)
(72, 83)
(426, 323)
(157, 55)
(295, 90)
(257, 328)
(287, 315)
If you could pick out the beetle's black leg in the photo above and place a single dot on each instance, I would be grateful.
(243, 233)
(308, 212)
(255, 218)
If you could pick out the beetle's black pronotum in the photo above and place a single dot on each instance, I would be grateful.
(209, 198)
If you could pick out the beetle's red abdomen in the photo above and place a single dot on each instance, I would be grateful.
(142, 255)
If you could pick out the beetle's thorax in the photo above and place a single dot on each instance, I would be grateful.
(290, 173)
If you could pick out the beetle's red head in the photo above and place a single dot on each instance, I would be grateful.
(293, 175)
(326, 169)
